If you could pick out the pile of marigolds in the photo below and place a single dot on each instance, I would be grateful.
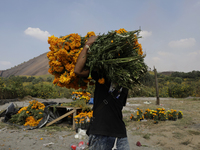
(83, 119)
(30, 115)
(81, 95)
(157, 115)
(116, 55)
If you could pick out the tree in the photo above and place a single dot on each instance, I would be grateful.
(49, 79)
(178, 80)
(1, 82)
(30, 79)
(24, 79)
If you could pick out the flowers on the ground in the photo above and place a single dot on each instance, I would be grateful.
(81, 95)
(172, 115)
(180, 115)
(31, 121)
(30, 115)
(157, 115)
(132, 117)
(139, 114)
(83, 119)
(81, 100)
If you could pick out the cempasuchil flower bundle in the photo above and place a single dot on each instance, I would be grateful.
(116, 55)
(63, 55)
(30, 115)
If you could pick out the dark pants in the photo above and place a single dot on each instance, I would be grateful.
(99, 142)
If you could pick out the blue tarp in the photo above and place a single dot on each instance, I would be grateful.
(91, 101)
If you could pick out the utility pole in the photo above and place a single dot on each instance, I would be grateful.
(157, 91)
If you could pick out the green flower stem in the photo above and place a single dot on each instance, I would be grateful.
(121, 60)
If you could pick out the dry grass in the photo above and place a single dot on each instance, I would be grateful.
(147, 136)
(174, 133)
(178, 135)
(192, 132)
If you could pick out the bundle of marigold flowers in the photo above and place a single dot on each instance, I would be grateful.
(157, 115)
(78, 95)
(116, 55)
(63, 55)
(30, 115)
(82, 120)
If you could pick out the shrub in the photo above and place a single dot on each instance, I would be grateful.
(178, 80)
(140, 91)
(179, 90)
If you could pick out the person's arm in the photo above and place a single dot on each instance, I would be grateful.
(79, 67)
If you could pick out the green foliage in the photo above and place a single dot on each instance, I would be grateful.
(178, 80)
(141, 90)
(37, 80)
(119, 60)
(41, 90)
(196, 88)
(148, 80)
(179, 90)
(13, 87)
(1, 82)
(30, 79)
(193, 74)
(49, 79)
(19, 118)
(24, 78)
(163, 91)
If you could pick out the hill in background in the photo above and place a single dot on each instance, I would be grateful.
(34, 67)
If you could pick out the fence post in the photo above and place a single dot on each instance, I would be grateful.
(157, 91)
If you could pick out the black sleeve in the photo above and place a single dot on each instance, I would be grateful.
(125, 99)
(124, 95)
(94, 75)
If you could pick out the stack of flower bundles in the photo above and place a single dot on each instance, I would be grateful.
(116, 55)
(30, 115)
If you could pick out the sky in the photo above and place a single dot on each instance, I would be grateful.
(170, 29)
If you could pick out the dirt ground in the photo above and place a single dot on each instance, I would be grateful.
(182, 134)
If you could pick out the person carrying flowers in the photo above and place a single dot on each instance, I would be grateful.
(107, 130)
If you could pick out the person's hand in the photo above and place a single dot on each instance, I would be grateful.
(91, 40)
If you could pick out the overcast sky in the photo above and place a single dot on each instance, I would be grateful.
(170, 28)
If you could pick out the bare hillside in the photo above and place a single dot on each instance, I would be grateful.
(36, 66)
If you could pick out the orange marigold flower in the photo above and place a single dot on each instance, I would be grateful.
(121, 30)
(101, 81)
(91, 33)
(89, 77)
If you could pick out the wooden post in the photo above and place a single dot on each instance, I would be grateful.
(74, 114)
(157, 91)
